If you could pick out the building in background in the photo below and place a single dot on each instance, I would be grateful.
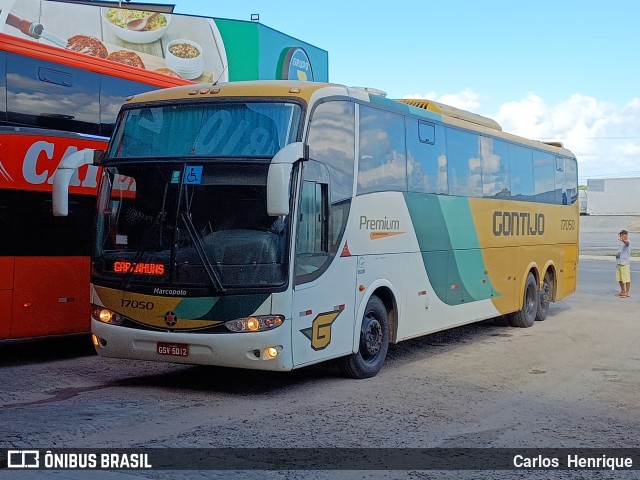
(610, 205)
(613, 196)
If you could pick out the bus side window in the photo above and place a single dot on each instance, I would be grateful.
(382, 163)
(3, 86)
(71, 95)
(464, 169)
(544, 176)
(496, 181)
(113, 91)
(521, 173)
(571, 180)
(560, 191)
(426, 157)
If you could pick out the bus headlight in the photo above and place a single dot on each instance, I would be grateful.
(255, 323)
(105, 315)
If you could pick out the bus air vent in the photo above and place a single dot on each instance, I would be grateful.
(449, 111)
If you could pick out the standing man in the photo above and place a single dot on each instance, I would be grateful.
(623, 268)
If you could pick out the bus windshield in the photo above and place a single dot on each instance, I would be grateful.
(189, 225)
(217, 129)
(199, 217)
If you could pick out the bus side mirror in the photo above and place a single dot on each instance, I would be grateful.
(62, 178)
(279, 177)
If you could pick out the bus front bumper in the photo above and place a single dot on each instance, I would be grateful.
(268, 350)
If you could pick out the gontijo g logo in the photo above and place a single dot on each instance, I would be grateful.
(320, 331)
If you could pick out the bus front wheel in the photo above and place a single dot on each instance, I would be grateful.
(374, 342)
(526, 316)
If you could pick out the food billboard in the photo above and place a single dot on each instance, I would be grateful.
(197, 48)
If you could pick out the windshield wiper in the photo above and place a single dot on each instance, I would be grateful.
(197, 243)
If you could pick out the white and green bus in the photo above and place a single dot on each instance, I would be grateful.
(274, 225)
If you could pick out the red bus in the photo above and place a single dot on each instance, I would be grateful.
(53, 102)
(44, 264)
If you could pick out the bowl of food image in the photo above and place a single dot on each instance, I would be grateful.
(117, 19)
(185, 58)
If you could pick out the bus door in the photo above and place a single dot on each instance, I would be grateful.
(324, 282)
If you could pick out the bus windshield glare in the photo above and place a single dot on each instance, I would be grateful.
(217, 129)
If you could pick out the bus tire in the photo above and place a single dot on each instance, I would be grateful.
(526, 316)
(545, 297)
(374, 342)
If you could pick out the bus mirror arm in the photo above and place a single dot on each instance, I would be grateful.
(62, 179)
(279, 177)
(98, 157)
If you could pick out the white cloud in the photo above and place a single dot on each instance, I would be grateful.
(627, 148)
(605, 137)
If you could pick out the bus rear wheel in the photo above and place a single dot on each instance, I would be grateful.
(526, 316)
(545, 297)
(374, 342)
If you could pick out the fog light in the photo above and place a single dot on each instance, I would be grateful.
(96, 342)
(271, 352)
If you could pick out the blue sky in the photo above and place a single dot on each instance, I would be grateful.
(563, 70)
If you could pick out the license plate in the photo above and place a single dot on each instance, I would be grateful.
(173, 349)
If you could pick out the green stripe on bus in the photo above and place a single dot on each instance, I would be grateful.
(450, 248)
(220, 308)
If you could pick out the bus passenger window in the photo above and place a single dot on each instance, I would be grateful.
(3, 86)
(571, 180)
(464, 164)
(383, 156)
(544, 176)
(560, 191)
(495, 168)
(72, 95)
(426, 157)
(521, 172)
